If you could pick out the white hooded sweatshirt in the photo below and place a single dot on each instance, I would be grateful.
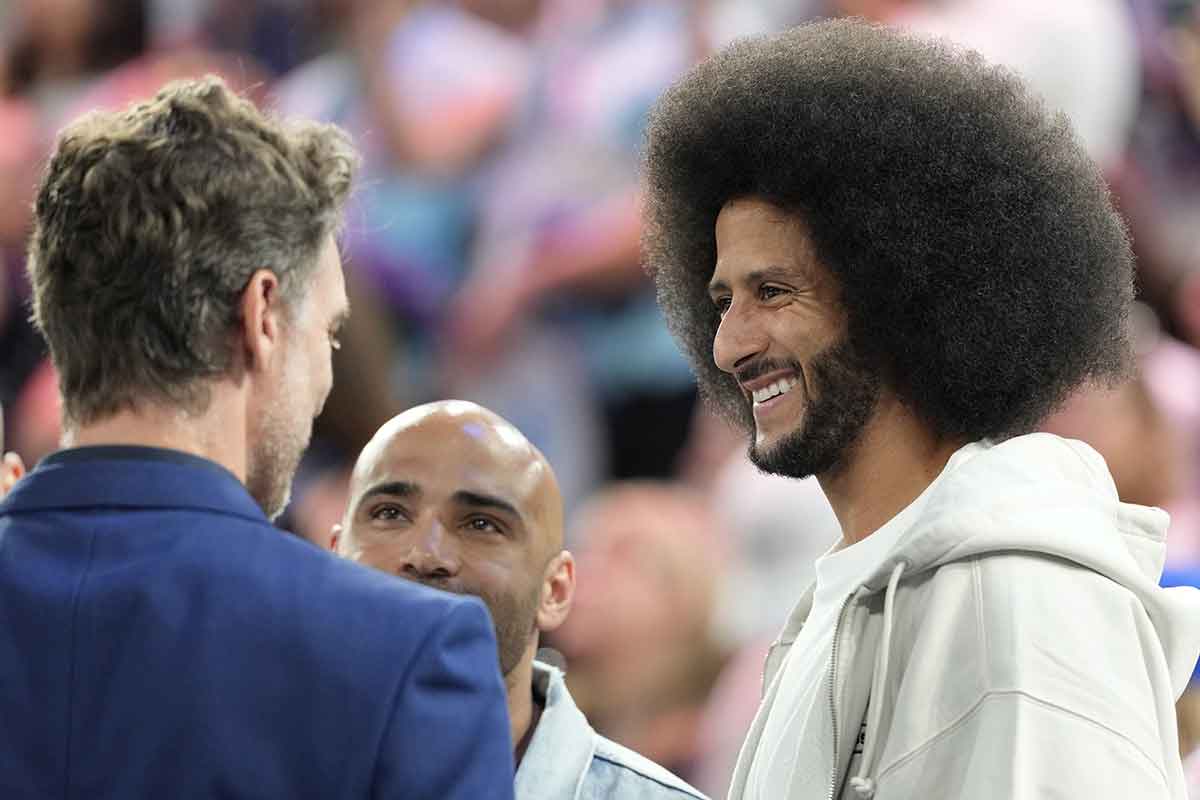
(1014, 643)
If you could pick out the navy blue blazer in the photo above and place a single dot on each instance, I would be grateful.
(159, 638)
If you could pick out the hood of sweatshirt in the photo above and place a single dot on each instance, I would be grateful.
(1045, 494)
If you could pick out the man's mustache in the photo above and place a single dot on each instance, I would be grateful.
(762, 366)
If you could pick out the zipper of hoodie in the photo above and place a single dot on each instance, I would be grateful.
(833, 660)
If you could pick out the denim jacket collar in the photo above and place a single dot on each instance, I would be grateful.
(560, 752)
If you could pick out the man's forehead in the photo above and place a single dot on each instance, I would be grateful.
(337, 276)
(759, 242)
(325, 299)
(444, 468)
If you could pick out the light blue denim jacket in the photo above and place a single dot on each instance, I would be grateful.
(567, 760)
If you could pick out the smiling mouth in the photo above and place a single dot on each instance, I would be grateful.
(779, 387)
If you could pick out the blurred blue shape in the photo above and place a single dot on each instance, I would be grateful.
(1184, 577)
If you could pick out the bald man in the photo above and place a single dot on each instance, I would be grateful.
(452, 496)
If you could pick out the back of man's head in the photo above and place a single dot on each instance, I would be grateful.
(149, 224)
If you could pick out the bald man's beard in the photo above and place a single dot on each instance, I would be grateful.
(514, 616)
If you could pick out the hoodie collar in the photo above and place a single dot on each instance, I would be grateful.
(1038, 493)
(1053, 497)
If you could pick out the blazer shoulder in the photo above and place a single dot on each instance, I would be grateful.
(322, 596)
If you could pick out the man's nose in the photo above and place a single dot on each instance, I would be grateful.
(432, 555)
(739, 338)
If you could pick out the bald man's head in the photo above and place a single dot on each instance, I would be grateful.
(453, 496)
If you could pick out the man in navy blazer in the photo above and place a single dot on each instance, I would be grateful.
(159, 638)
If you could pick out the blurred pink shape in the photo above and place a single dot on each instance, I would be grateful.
(19, 122)
(1172, 374)
(37, 415)
(141, 78)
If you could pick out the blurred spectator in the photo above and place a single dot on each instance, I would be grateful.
(1171, 372)
(641, 657)
(58, 46)
(1187, 302)
(143, 76)
(726, 20)
(1080, 55)
(426, 88)
(778, 528)
(498, 222)
(1159, 186)
(20, 157)
(36, 419)
(1148, 431)
(1126, 425)
(555, 256)
(277, 34)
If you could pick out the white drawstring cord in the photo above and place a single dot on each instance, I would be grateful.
(863, 785)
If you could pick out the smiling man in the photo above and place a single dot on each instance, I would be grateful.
(452, 496)
(888, 262)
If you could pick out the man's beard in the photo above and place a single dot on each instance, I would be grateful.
(514, 617)
(845, 394)
(283, 438)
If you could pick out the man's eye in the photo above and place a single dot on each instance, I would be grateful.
(386, 513)
(482, 525)
(722, 304)
(768, 292)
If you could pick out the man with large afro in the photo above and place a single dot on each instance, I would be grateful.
(888, 262)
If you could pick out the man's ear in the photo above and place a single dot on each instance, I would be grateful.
(558, 592)
(262, 315)
(335, 536)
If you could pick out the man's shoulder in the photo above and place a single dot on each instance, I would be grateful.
(372, 590)
(617, 771)
(361, 595)
(348, 623)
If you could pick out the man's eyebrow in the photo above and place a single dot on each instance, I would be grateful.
(754, 277)
(392, 489)
(717, 285)
(479, 500)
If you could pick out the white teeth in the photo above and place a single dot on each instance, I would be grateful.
(779, 387)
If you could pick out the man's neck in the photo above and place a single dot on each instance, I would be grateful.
(522, 711)
(894, 460)
(206, 435)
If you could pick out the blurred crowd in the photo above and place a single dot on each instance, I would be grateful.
(491, 253)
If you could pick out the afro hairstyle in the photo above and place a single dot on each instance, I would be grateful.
(982, 266)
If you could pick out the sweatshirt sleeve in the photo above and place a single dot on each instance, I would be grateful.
(1013, 745)
(448, 737)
